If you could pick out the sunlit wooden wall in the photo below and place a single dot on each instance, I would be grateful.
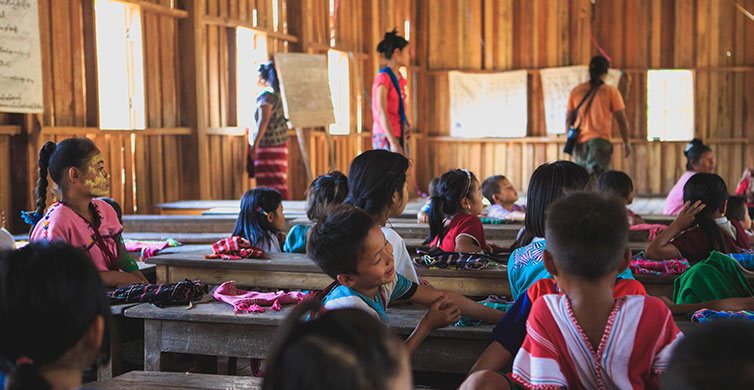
(193, 147)
(711, 37)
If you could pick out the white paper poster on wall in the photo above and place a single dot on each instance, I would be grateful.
(557, 84)
(20, 61)
(488, 104)
(305, 85)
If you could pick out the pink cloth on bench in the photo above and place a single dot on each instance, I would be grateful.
(654, 229)
(252, 301)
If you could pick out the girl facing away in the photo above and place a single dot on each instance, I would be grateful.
(46, 281)
(261, 219)
(324, 192)
(377, 184)
(701, 225)
(79, 218)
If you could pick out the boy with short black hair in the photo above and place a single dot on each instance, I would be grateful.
(587, 338)
(349, 246)
(620, 184)
(737, 211)
(502, 196)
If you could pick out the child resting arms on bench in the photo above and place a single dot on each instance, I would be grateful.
(349, 246)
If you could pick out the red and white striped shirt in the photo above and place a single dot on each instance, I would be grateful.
(635, 348)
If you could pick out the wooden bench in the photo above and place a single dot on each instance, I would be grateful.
(213, 329)
(138, 380)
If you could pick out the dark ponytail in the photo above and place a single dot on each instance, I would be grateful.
(391, 42)
(547, 183)
(694, 151)
(712, 191)
(270, 76)
(373, 178)
(55, 159)
(40, 281)
(454, 185)
(325, 192)
(598, 66)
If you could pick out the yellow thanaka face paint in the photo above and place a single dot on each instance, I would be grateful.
(97, 180)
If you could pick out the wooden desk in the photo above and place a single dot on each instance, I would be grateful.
(297, 271)
(176, 380)
(213, 329)
(114, 365)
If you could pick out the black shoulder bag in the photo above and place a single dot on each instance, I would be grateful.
(573, 133)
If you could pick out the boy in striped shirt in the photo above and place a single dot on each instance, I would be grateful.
(587, 338)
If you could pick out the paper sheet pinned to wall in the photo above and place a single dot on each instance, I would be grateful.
(20, 61)
(305, 87)
(557, 84)
(488, 104)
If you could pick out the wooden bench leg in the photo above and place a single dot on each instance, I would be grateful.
(232, 365)
(153, 355)
(114, 366)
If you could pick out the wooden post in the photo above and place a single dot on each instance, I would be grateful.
(303, 145)
(330, 151)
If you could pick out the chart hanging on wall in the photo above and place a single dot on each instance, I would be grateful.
(20, 57)
(305, 86)
(557, 84)
(488, 104)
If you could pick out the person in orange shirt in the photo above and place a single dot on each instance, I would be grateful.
(594, 118)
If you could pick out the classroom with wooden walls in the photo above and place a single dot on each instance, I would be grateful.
(167, 91)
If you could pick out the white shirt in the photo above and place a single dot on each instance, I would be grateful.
(403, 264)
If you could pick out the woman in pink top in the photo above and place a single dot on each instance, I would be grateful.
(390, 127)
(76, 166)
(699, 159)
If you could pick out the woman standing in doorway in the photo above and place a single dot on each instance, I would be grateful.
(268, 143)
(390, 129)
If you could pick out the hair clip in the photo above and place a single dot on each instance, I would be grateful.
(260, 210)
(31, 218)
(24, 360)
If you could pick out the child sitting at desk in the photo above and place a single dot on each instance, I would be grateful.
(502, 196)
(701, 225)
(261, 219)
(349, 246)
(738, 211)
(324, 192)
(620, 184)
(54, 316)
(337, 349)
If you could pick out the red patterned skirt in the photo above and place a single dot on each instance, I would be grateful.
(271, 168)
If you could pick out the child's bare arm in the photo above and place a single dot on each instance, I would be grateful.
(441, 313)
(728, 304)
(426, 295)
(118, 279)
(661, 248)
(466, 244)
(494, 358)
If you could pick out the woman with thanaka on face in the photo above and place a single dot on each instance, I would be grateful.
(42, 282)
(79, 218)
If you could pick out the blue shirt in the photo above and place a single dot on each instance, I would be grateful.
(341, 297)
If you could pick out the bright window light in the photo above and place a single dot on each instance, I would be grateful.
(120, 65)
(670, 105)
(251, 51)
(275, 15)
(337, 63)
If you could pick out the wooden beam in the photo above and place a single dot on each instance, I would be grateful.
(440, 72)
(234, 131)
(158, 9)
(10, 130)
(225, 22)
(73, 130)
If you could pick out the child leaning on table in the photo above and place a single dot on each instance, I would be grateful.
(587, 338)
(349, 246)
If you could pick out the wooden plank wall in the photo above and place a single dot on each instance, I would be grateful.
(705, 35)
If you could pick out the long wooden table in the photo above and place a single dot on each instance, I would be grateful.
(138, 380)
(213, 329)
(296, 271)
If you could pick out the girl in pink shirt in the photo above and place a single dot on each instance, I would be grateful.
(77, 167)
(699, 159)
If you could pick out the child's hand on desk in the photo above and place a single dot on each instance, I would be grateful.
(441, 313)
(496, 248)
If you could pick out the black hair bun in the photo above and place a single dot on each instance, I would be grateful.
(389, 36)
(692, 144)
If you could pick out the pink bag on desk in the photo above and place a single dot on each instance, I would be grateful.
(252, 301)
